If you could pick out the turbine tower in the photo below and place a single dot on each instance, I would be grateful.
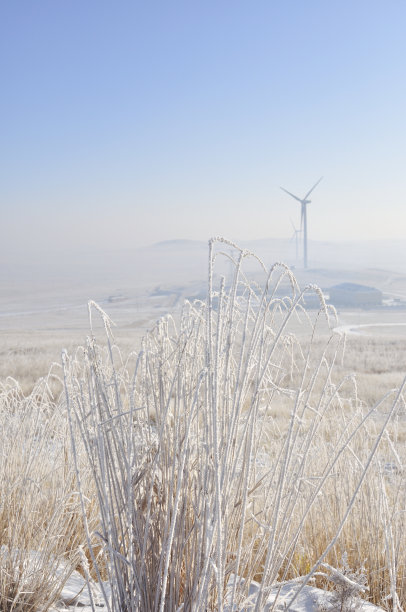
(303, 216)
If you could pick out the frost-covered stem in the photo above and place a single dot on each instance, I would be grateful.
(181, 471)
(361, 480)
(78, 478)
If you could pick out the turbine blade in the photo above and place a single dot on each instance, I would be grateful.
(301, 218)
(291, 194)
(314, 187)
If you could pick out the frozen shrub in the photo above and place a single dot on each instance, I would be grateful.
(211, 454)
(348, 586)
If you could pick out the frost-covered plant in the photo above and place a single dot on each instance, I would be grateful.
(349, 585)
(198, 480)
(40, 518)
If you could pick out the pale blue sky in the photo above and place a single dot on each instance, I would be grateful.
(129, 122)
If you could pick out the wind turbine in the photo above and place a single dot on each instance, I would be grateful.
(295, 237)
(303, 216)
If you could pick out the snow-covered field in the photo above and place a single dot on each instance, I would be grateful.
(75, 596)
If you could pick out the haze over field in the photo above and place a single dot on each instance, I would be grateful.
(136, 286)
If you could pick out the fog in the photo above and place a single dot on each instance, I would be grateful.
(52, 279)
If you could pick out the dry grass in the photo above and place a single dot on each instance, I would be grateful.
(40, 515)
(198, 479)
(26, 356)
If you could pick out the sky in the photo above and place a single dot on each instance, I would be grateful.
(126, 122)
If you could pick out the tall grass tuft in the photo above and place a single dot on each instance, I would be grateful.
(201, 485)
(228, 452)
(40, 517)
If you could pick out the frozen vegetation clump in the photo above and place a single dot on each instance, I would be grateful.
(224, 448)
(40, 514)
(348, 587)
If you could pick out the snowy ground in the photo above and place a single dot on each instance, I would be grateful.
(396, 329)
(75, 596)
